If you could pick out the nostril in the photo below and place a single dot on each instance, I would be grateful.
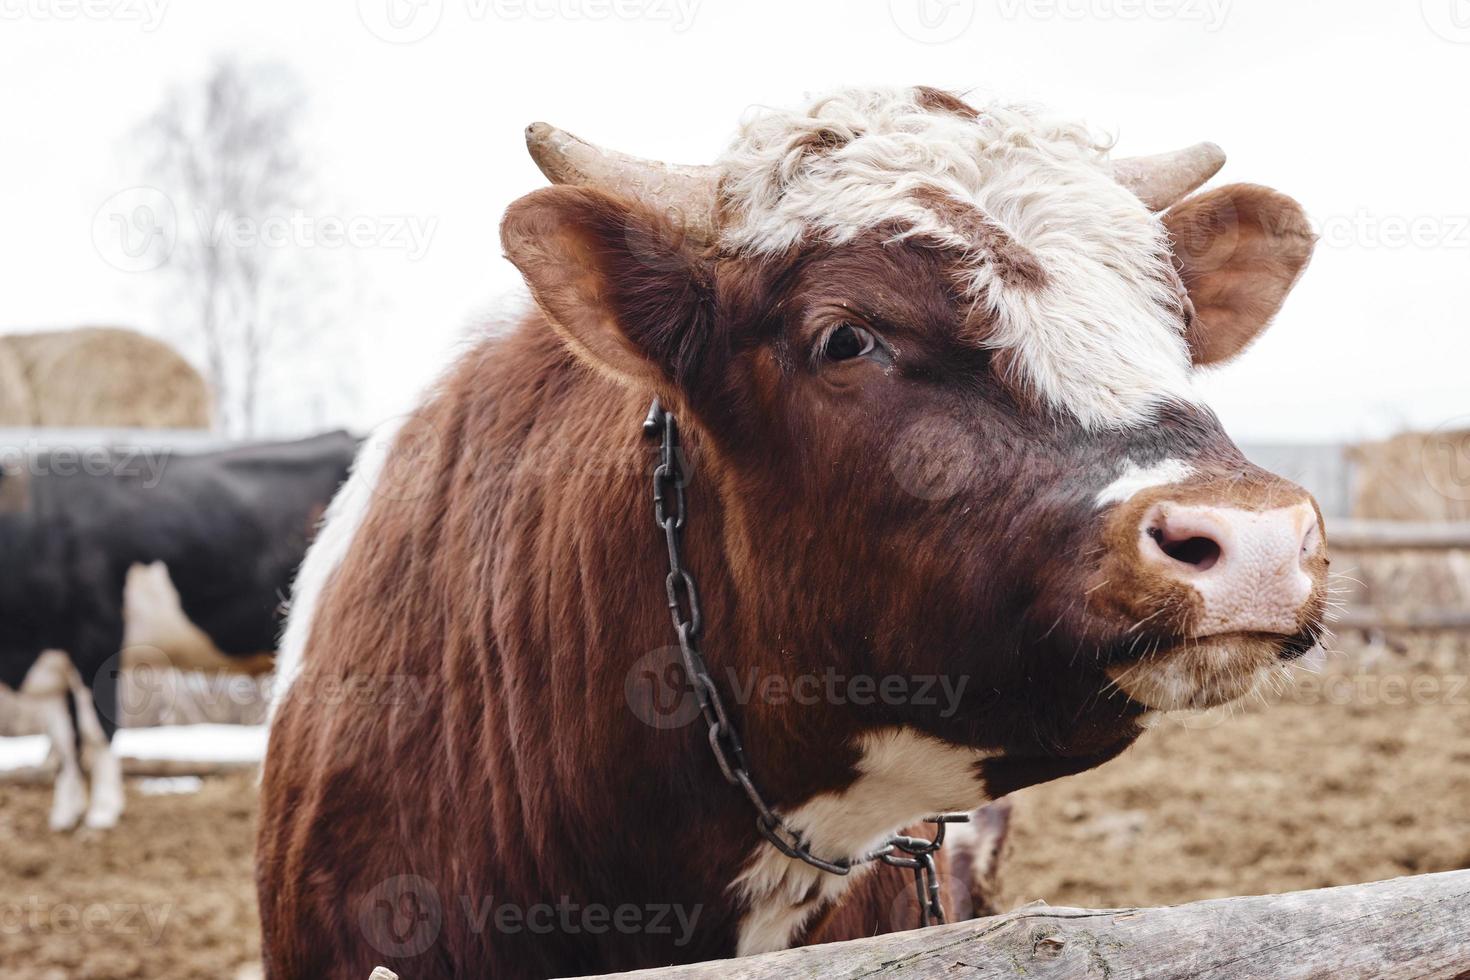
(1196, 550)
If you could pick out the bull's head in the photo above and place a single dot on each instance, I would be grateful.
(941, 360)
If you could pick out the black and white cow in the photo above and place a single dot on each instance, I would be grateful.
(106, 550)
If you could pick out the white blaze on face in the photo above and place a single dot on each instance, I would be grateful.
(1136, 479)
(903, 777)
(1101, 340)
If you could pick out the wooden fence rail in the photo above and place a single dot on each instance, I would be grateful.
(1357, 535)
(1427, 536)
(1370, 618)
(1415, 927)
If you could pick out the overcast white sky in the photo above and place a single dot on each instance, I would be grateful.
(1356, 107)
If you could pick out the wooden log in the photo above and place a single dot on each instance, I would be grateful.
(1405, 927)
(1358, 535)
(1370, 618)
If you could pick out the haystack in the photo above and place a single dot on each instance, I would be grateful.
(1416, 476)
(108, 377)
(15, 393)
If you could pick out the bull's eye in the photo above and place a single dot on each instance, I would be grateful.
(846, 342)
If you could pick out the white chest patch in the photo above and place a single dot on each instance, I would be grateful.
(904, 776)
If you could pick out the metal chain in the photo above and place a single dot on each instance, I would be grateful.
(670, 477)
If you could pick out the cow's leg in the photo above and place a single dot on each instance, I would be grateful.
(48, 684)
(69, 798)
(97, 707)
(94, 692)
(975, 851)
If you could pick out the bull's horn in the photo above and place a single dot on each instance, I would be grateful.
(1164, 179)
(685, 194)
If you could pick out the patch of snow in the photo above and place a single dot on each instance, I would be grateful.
(193, 743)
(24, 751)
(184, 743)
(170, 785)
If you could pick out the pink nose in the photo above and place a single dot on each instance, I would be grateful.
(1248, 567)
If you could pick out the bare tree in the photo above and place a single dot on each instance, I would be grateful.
(244, 292)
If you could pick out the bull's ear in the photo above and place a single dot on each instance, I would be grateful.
(619, 284)
(1240, 249)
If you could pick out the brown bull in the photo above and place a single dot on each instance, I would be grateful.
(958, 521)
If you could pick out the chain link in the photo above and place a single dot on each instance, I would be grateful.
(670, 478)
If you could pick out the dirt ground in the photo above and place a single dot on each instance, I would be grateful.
(1347, 778)
(168, 894)
(1291, 797)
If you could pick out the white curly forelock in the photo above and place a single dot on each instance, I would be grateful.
(1101, 338)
